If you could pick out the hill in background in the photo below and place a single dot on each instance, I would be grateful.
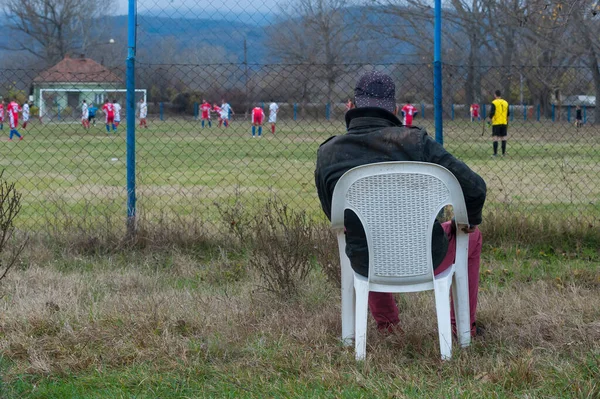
(206, 38)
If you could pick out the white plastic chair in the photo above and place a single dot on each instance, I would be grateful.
(397, 203)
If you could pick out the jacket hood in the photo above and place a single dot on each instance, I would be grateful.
(371, 112)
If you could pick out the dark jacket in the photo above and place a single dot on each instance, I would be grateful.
(376, 135)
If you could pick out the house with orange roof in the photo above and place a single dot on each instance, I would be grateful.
(63, 87)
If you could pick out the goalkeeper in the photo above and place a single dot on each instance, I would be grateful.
(499, 120)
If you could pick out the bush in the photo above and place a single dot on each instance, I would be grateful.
(66, 112)
(236, 218)
(184, 102)
(327, 253)
(282, 248)
(10, 205)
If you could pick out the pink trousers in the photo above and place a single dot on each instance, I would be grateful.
(383, 306)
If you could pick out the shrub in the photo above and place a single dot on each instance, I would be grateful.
(327, 253)
(236, 218)
(282, 248)
(10, 205)
(67, 112)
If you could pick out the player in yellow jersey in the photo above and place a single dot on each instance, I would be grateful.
(499, 119)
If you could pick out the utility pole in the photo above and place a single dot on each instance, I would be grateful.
(246, 76)
(437, 72)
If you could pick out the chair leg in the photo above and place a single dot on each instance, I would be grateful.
(462, 311)
(362, 306)
(442, 305)
(348, 305)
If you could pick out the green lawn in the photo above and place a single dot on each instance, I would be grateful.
(181, 314)
(182, 169)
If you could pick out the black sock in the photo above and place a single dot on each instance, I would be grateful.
(495, 147)
(503, 147)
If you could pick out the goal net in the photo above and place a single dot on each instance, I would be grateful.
(65, 104)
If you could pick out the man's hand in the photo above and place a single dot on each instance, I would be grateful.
(467, 228)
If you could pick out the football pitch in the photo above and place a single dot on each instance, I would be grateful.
(182, 169)
(187, 315)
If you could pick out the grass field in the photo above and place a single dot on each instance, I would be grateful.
(182, 313)
(192, 322)
(183, 170)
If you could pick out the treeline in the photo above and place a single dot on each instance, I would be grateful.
(535, 51)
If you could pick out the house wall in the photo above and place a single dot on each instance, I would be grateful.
(65, 103)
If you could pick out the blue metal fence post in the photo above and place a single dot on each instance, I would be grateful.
(422, 111)
(327, 111)
(452, 111)
(568, 113)
(130, 84)
(196, 111)
(58, 110)
(162, 111)
(584, 115)
(295, 111)
(539, 112)
(525, 109)
(553, 110)
(437, 73)
(483, 111)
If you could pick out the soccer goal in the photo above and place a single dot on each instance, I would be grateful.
(65, 104)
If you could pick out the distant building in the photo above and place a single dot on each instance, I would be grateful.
(71, 81)
(582, 100)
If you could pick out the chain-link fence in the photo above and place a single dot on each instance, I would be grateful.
(198, 81)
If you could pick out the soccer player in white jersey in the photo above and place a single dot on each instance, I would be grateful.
(26, 114)
(117, 107)
(143, 113)
(273, 109)
(85, 115)
(225, 111)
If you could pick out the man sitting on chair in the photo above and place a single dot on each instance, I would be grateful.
(375, 134)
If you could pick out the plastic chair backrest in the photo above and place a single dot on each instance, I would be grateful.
(397, 203)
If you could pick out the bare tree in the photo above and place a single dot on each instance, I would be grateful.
(317, 32)
(543, 45)
(50, 29)
(586, 21)
(464, 32)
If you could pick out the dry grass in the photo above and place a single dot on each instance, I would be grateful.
(73, 313)
(184, 298)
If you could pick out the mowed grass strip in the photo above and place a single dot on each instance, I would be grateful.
(179, 164)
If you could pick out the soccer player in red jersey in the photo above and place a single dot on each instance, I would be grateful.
(474, 112)
(109, 112)
(408, 113)
(205, 108)
(13, 117)
(349, 105)
(258, 116)
(217, 109)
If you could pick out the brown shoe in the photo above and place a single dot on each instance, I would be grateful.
(390, 329)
